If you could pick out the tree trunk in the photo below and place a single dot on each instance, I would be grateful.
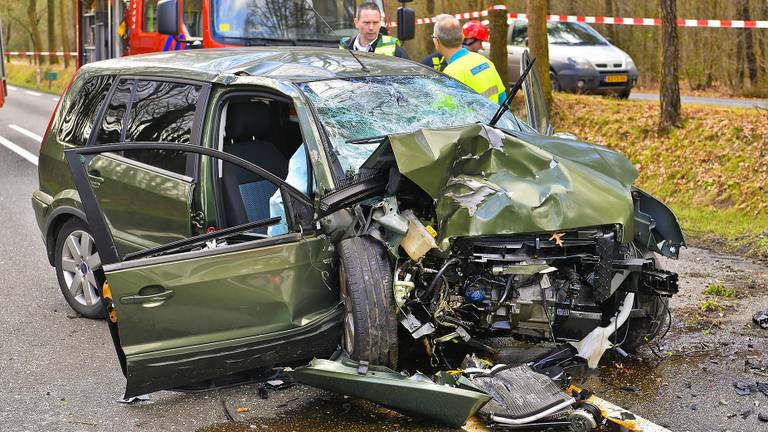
(34, 29)
(51, 12)
(749, 45)
(670, 52)
(610, 31)
(498, 41)
(538, 44)
(64, 35)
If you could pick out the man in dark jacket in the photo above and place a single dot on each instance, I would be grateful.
(369, 38)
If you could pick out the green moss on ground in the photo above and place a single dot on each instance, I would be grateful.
(713, 171)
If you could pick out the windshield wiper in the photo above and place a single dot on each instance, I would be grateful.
(511, 94)
(369, 140)
(254, 41)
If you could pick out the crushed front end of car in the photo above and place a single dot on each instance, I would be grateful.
(493, 237)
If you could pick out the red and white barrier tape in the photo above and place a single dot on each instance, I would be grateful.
(681, 22)
(42, 53)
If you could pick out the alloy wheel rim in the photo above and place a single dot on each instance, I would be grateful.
(79, 262)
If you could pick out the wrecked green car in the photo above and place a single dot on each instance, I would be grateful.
(366, 205)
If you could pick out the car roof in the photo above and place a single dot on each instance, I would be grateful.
(295, 64)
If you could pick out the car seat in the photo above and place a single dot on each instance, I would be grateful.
(246, 194)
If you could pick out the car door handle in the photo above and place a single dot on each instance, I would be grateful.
(95, 178)
(151, 298)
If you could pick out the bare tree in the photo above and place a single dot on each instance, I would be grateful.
(34, 29)
(670, 52)
(64, 35)
(51, 12)
(747, 47)
(538, 44)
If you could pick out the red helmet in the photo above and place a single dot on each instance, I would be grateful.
(475, 30)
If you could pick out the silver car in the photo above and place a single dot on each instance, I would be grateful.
(580, 58)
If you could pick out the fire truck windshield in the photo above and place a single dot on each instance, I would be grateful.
(251, 22)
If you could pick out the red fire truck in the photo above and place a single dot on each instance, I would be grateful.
(3, 86)
(113, 28)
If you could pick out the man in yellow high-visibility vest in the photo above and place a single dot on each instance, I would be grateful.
(471, 68)
(369, 38)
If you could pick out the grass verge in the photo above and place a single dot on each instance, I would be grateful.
(22, 74)
(712, 171)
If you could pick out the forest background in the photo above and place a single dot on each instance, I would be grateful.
(727, 61)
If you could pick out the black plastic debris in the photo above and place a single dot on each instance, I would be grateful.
(761, 319)
(278, 381)
(745, 389)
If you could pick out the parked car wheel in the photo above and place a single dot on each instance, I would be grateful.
(365, 285)
(642, 330)
(77, 269)
(624, 94)
(555, 82)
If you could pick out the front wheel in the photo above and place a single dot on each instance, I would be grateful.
(365, 286)
(624, 94)
(555, 82)
(78, 269)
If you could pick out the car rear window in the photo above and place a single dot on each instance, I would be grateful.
(77, 123)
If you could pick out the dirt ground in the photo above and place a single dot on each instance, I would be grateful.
(686, 383)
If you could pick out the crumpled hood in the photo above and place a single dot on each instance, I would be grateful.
(485, 182)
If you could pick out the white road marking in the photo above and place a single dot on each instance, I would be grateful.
(23, 131)
(55, 98)
(18, 150)
(30, 92)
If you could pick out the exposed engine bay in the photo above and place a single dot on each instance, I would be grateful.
(555, 287)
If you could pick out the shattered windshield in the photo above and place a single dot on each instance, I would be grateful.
(355, 109)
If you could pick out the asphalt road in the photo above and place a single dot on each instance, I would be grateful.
(59, 372)
(698, 100)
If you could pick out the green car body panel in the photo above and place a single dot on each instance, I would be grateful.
(227, 305)
(487, 183)
(187, 317)
(447, 402)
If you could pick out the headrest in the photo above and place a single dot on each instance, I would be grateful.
(248, 119)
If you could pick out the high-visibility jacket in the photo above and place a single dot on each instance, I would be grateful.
(385, 45)
(478, 73)
(435, 61)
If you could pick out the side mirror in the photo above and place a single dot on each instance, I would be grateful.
(406, 22)
(168, 17)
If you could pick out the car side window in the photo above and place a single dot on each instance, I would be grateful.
(162, 112)
(77, 123)
(112, 122)
(519, 34)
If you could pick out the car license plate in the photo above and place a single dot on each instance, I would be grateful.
(616, 78)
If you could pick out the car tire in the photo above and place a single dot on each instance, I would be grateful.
(641, 330)
(624, 94)
(78, 269)
(555, 82)
(365, 287)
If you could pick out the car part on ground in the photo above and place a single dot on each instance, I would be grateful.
(78, 269)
